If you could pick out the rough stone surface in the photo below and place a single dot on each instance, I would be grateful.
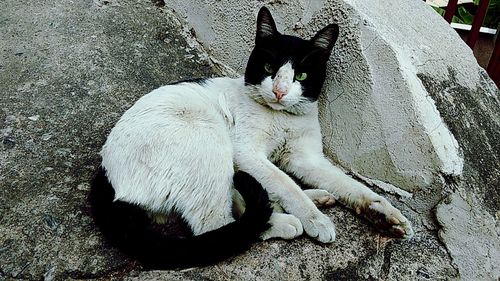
(68, 70)
(478, 246)
(376, 117)
(406, 109)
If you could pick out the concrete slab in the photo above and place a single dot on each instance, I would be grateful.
(69, 69)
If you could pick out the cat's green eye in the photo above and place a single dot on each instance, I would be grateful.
(268, 68)
(301, 76)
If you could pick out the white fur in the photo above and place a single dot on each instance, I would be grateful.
(285, 226)
(172, 151)
(177, 147)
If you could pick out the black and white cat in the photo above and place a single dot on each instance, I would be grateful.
(177, 148)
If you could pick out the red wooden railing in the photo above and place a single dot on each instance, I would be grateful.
(478, 21)
(494, 64)
(450, 10)
(493, 68)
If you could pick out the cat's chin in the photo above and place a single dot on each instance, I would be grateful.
(297, 109)
(276, 105)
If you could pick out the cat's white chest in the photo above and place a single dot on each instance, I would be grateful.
(263, 130)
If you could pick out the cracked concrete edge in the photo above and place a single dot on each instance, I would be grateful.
(475, 253)
(384, 186)
(189, 34)
(432, 148)
(468, 215)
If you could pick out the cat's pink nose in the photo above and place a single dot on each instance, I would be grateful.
(280, 90)
(279, 94)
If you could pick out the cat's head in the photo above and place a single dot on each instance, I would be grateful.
(287, 72)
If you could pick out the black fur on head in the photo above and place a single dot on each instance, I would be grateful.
(309, 56)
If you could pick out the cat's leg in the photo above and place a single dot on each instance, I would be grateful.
(287, 226)
(208, 214)
(313, 168)
(283, 189)
(238, 207)
(284, 226)
(321, 198)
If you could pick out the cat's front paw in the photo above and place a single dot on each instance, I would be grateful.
(320, 227)
(386, 218)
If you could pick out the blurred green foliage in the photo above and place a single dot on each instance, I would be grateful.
(465, 13)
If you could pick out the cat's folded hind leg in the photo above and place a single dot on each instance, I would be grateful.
(284, 226)
(208, 217)
(321, 198)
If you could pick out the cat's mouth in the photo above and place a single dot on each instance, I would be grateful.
(267, 100)
(276, 105)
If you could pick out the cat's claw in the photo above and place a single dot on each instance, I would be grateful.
(321, 198)
(386, 218)
(284, 226)
(320, 227)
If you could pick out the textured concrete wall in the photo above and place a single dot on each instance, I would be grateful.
(377, 119)
(375, 106)
(381, 116)
(403, 93)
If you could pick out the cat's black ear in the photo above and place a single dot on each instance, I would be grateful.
(265, 24)
(326, 38)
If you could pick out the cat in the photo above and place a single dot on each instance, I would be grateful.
(183, 147)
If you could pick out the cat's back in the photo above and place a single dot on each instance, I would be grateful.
(172, 97)
(166, 133)
(190, 102)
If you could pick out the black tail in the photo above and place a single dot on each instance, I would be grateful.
(129, 228)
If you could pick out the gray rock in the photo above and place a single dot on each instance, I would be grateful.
(406, 109)
(471, 236)
(69, 70)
